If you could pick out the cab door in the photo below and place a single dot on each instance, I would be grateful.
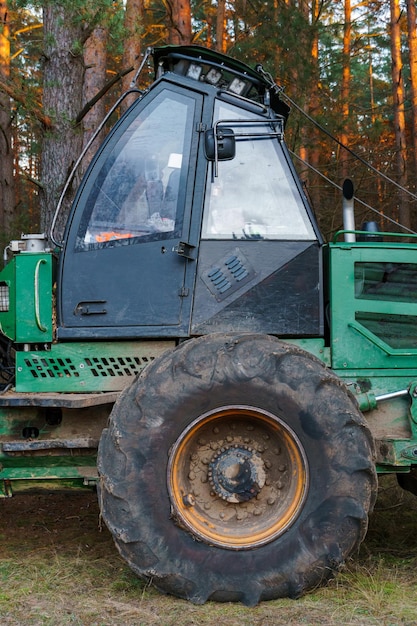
(127, 265)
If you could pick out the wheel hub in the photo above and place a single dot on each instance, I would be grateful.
(236, 474)
(237, 477)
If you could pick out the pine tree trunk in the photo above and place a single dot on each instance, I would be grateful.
(314, 152)
(220, 26)
(62, 97)
(95, 57)
(345, 91)
(412, 47)
(179, 22)
(399, 112)
(7, 188)
(134, 11)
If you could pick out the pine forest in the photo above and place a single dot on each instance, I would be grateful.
(348, 70)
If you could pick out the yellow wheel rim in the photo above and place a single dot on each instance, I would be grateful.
(237, 477)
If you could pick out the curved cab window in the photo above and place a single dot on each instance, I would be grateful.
(135, 193)
(254, 195)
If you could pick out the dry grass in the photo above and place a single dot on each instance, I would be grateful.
(57, 568)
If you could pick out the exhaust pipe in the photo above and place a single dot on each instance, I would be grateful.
(348, 210)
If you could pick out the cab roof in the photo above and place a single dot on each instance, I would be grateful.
(219, 70)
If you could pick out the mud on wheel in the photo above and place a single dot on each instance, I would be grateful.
(236, 467)
(237, 477)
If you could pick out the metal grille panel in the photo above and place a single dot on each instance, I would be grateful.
(4, 297)
(59, 368)
(85, 367)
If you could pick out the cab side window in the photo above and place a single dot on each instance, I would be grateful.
(135, 192)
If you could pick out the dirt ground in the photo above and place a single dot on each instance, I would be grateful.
(58, 518)
(59, 567)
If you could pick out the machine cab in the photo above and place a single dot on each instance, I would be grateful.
(191, 218)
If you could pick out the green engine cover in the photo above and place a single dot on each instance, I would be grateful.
(26, 298)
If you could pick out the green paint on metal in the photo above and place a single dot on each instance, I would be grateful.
(373, 291)
(9, 488)
(85, 367)
(26, 298)
(59, 472)
(44, 472)
(314, 346)
(395, 453)
(373, 340)
(36, 466)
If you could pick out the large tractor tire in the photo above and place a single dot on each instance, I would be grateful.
(236, 468)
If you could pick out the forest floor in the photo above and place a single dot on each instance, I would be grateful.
(59, 567)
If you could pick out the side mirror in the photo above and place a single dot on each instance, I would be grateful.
(225, 149)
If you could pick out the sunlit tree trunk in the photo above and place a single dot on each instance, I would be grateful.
(179, 22)
(7, 188)
(304, 150)
(412, 48)
(399, 111)
(220, 26)
(345, 90)
(132, 45)
(314, 156)
(95, 57)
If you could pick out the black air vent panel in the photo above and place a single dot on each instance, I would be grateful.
(228, 275)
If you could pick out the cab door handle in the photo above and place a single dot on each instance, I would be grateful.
(90, 307)
(185, 249)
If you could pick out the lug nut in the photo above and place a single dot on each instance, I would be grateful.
(188, 500)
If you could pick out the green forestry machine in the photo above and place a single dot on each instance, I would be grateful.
(230, 383)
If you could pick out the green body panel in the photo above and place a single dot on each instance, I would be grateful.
(85, 367)
(373, 295)
(26, 298)
(372, 289)
(314, 346)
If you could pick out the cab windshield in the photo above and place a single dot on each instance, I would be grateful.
(254, 195)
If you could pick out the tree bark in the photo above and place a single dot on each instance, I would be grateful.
(345, 91)
(220, 26)
(62, 98)
(132, 48)
(95, 57)
(179, 22)
(399, 112)
(314, 105)
(7, 187)
(412, 48)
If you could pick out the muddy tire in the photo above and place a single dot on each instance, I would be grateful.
(236, 468)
